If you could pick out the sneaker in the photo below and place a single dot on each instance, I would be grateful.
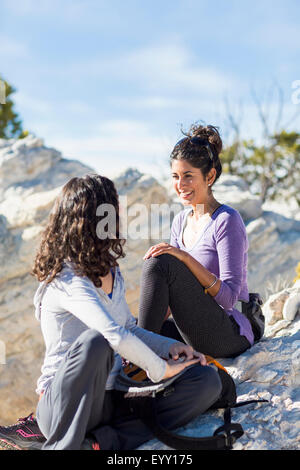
(25, 435)
(89, 444)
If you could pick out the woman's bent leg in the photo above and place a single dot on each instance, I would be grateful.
(74, 402)
(195, 391)
(200, 320)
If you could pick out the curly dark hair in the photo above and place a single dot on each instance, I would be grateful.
(201, 147)
(72, 233)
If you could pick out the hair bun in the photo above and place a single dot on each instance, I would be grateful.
(208, 133)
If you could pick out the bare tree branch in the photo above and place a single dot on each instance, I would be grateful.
(269, 100)
(234, 123)
(261, 113)
(280, 109)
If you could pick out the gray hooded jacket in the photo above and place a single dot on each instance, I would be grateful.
(70, 304)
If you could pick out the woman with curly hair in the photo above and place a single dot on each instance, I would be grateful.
(88, 329)
(201, 274)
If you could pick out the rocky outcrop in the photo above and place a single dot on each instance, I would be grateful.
(274, 238)
(31, 176)
(139, 196)
(235, 192)
(274, 252)
(270, 370)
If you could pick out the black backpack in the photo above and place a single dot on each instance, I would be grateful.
(134, 383)
(252, 310)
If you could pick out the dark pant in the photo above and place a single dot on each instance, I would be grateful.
(76, 403)
(198, 319)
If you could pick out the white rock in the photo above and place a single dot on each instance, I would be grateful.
(291, 306)
(226, 181)
(272, 374)
(24, 210)
(272, 330)
(274, 252)
(25, 162)
(273, 308)
(30, 176)
(234, 191)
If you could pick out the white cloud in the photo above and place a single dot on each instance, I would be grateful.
(150, 102)
(116, 145)
(38, 105)
(11, 48)
(32, 103)
(173, 66)
(162, 69)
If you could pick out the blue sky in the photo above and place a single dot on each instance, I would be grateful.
(111, 83)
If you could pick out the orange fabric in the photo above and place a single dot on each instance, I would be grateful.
(140, 376)
(211, 360)
(130, 368)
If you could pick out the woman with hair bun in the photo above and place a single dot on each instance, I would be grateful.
(201, 274)
(88, 328)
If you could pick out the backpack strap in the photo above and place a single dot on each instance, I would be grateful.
(248, 402)
(143, 403)
(228, 426)
(223, 439)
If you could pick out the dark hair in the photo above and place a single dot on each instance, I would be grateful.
(71, 232)
(201, 147)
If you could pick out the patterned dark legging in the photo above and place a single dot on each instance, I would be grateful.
(197, 318)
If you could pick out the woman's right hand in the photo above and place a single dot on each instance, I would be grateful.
(175, 367)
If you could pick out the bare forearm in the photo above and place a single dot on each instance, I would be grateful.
(205, 277)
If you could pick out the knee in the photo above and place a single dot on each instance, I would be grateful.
(162, 263)
(95, 345)
(213, 382)
(208, 380)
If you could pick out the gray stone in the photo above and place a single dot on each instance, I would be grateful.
(31, 176)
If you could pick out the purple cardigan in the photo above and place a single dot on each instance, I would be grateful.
(222, 249)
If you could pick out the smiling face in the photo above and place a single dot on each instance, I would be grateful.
(190, 184)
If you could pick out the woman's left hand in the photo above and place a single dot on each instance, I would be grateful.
(178, 349)
(163, 248)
